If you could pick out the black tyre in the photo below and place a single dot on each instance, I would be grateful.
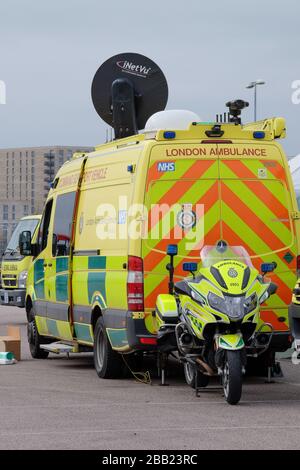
(232, 377)
(34, 340)
(108, 363)
(190, 376)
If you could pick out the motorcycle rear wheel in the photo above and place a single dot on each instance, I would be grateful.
(232, 377)
(190, 376)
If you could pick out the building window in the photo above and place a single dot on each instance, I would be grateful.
(5, 234)
(25, 210)
(13, 212)
(5, 212)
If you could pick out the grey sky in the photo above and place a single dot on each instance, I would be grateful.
(209, 51)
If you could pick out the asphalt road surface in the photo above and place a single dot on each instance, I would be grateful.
(60, 403)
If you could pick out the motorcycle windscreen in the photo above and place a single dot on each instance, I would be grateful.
(255, 214)
(183, 209)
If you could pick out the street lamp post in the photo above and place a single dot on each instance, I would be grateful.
(254, 85)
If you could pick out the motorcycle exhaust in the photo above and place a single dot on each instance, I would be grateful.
(262, 339)
(186, 340)
(206, 367)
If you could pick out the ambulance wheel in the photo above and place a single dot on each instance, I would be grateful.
(108, 363)
(190, 376)
(34, 340)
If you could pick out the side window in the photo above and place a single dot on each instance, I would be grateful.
(63, 224)
(44, 227)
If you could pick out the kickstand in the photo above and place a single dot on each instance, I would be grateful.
(163, 361)
(269, 378)
(197, 390)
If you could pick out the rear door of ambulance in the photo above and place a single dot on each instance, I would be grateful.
(255, 213)
(182, 200)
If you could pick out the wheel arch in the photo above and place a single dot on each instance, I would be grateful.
(96, 314)
(28, 306)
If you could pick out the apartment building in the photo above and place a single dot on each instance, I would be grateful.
(25, 177)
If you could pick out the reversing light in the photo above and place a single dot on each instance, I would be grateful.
(259, 135)
(169, 135)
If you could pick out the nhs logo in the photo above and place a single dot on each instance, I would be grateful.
(166, 166)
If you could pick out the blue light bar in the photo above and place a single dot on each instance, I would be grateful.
(169, 135)
(172, 250)
(259, 135)
(267, 267)
(190, 267)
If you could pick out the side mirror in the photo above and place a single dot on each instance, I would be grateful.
(190, 267)
(25, 243)
(268, 267)
(172, 250)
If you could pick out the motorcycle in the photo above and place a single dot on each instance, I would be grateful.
(212, 319)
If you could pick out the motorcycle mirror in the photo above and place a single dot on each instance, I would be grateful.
(172, 250)
(268, 267)
(190, 267)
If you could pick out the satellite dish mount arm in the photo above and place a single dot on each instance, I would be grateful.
(123, 108)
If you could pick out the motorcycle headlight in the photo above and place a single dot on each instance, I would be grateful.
(217, 302)
(22, 279)
(233, 307)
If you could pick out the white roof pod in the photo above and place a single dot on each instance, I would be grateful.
(179, 119)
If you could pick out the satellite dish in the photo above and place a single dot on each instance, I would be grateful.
(126, 90)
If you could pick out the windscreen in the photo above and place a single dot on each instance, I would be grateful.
(23, 225)
(211, 255)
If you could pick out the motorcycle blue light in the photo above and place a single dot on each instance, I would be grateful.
(190, 267)
(259, 135)
(267, 267)
(169, 135)
(172, 250)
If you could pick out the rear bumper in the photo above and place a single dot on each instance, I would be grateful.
(138, 336)
(12, 297)
(127, 332)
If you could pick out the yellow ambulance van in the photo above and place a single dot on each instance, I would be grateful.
(99, 262)
(14, 267)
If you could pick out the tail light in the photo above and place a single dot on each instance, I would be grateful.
(135, 284)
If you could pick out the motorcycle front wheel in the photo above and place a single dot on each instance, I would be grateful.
(232, 377)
